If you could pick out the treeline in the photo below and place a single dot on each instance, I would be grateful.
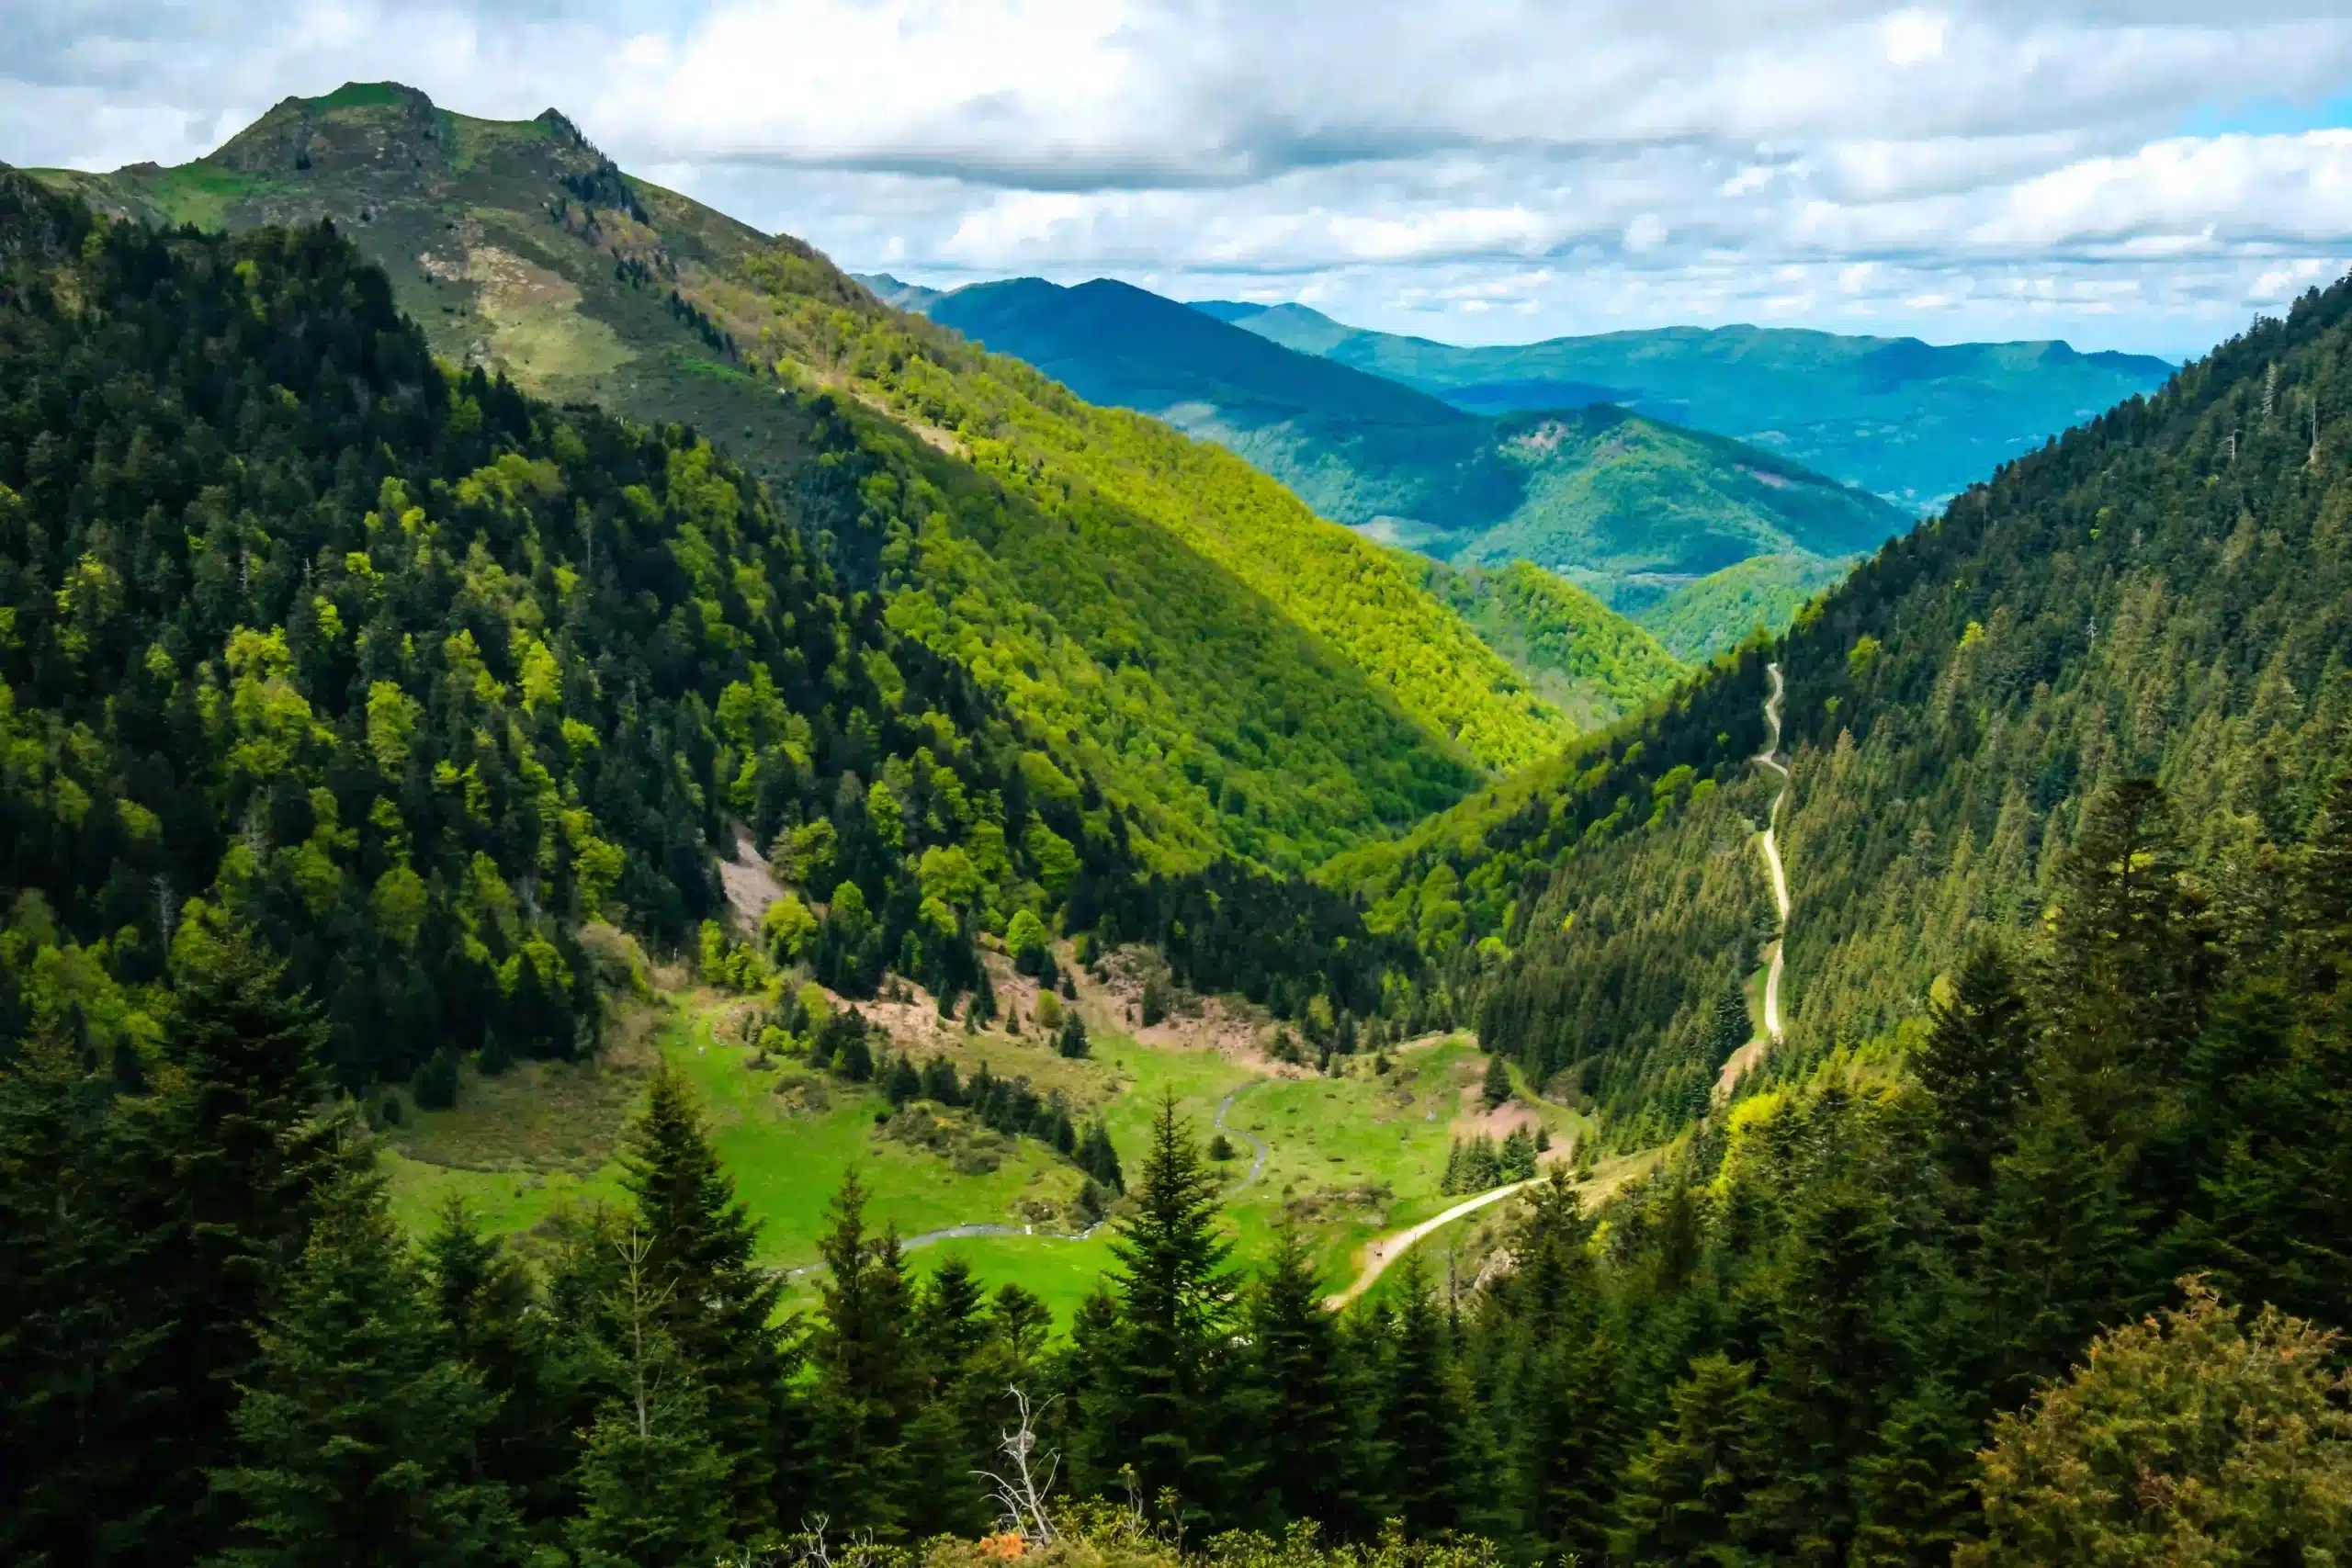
(1838, 1326)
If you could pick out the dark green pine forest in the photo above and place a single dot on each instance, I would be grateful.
(356, 704)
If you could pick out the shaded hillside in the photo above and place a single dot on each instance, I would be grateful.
(1243, 676)
(1912, 421)
(2165, 591)
(1604, 494)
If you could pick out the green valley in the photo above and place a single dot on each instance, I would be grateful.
(1619, 501)
(655, 913)
(1240, 675)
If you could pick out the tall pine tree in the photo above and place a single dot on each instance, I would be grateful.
(719, 1306)
(359, 1432)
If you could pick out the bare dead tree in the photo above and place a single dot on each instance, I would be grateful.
(2270, 390)
(1020, 1493)
(814, 1553)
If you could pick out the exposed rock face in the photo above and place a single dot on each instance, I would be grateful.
(359, 126)
(33, 222)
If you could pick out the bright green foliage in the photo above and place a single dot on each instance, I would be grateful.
(2189, 1438)
(1909, 421)
(2142, 603)
(1232, 674)
(1591, 662)
(359, 1433)
(1701, 619)
(1590, 490)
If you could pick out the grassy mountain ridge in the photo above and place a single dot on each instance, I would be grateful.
(1240, 675)
(2146, 596)
(1912, 421)
(1608, 495)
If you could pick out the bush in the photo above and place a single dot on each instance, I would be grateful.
(435, 1083)
(1155, 1001)
(1220, 1147)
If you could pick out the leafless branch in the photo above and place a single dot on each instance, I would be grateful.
(1022, 1494)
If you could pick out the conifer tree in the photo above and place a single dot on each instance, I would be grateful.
(718, 1306)
(491, 1321)
(1914, 1501)
(1421, 1415)
(251, 1162)
(1687, 1489)
(1310, 1445)
(951, 1434)
(90, 1235)
(1976, 1063)
(867, 1388)
(358, 1431)
(1162, 1404)
(654, 1489)
(1496, 1087)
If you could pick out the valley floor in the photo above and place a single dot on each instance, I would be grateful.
(1349, 1158)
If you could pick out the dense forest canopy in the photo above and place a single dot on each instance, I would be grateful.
(415, 675)
(2163, 592)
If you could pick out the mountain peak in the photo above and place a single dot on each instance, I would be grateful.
(360, 125)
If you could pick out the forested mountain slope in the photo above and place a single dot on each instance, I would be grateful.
(1611, 498)
(2163, 592)
(1247, 677)
(1581, 654)
(413, 674)
(1911, 422)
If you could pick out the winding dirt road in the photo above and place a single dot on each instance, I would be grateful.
(1768, 758)
(1385, 1250)
(1748, 1055)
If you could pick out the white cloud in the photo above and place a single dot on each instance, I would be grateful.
(1978, 168)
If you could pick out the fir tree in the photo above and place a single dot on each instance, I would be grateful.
(358, 1432)
(867, 1386)
(1421, 1414)
(493, 1322)
(1310, 1443)
(654, 1489)
(251, 1163)
(1687, 1489)
(718, 1306)
(1496, 1088)
(1162, 1404)
(1976, 1063)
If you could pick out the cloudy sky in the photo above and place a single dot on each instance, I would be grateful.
(2142, 175)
